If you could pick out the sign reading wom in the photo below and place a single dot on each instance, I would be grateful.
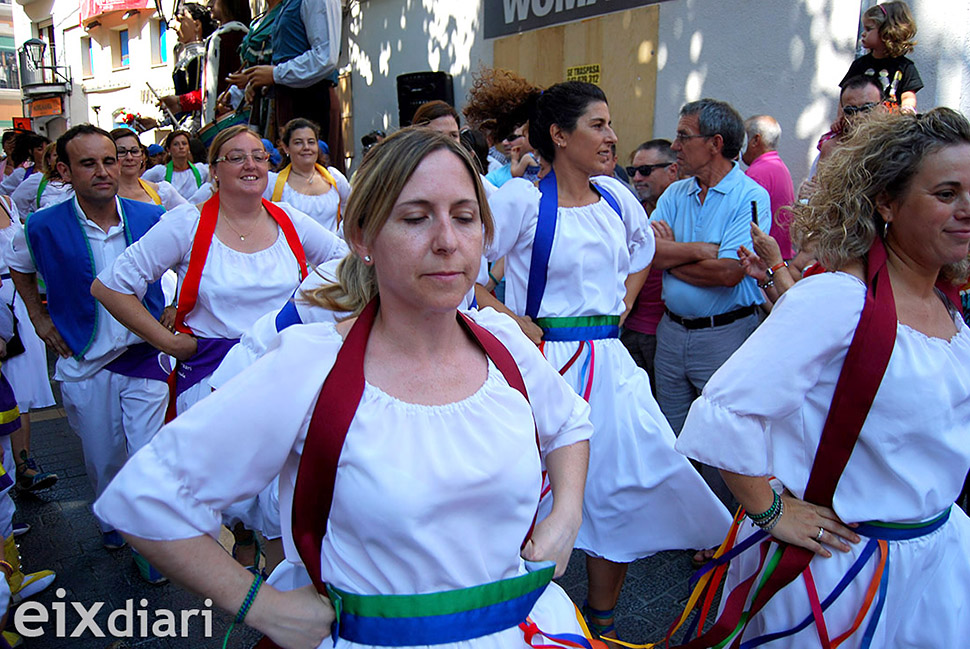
(504, 17)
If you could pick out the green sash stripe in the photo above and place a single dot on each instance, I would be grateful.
(579, 321)
(444, 602)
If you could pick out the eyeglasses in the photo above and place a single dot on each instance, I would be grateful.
(683, 137)
(512, 138)
(134, 152)
(864, 108)
(646, 170)
(239, 157)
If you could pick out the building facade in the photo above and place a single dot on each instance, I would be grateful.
(100, 57)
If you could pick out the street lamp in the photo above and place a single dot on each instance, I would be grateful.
(35, 49)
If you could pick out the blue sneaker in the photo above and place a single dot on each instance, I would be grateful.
(146, 570)
(112, 540)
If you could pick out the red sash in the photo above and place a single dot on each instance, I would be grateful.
(189, 291)
(334, 411)
(332, 416)
(862, 372)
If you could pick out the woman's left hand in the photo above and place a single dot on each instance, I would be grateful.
(801, 522)
(765, 246)
(552, 540)
(753, 265)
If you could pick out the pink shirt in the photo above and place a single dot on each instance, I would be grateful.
(769, 171)
(649, 307)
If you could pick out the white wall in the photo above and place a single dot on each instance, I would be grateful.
(784, 58)
(781, 58)
(383, 39)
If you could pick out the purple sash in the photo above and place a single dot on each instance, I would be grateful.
(204, 362)
(140, 361)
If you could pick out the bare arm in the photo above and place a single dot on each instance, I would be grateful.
(129, 311)
(710, 272)
(297, 619)
(529, 328)
(801, 520)
(671, 254)
(908, 101)
(554, 536)
(26, 285)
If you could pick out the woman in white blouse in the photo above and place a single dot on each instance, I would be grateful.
(437, 411)
(186, 176)
(892, 223)
(131, 157)
(312, 188)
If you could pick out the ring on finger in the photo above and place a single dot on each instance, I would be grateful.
(818, 537)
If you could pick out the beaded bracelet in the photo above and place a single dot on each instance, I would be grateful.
(765, 516)
(769, 525)
(250, 597)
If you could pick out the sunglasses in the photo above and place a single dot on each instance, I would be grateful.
(864, 108)
(646, 170)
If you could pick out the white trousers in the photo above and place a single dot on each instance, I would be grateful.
(114, 416)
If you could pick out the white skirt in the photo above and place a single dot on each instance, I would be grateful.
(925, 602)
(27, 373)
(642, 496)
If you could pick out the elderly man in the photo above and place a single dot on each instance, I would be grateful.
(766, 168)
(654, 168)
(711, 306)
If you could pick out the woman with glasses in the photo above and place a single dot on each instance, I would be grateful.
(321, 192)
(131, 158)
(237, 257)
(577, 248)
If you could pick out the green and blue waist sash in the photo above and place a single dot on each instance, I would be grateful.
(441, 617)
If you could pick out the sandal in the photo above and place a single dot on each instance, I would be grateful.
(29, 476)
(599, 630)
(702, 557)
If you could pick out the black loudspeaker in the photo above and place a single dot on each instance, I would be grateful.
(417, 88)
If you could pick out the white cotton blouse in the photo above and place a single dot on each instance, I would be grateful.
(593, 250)
(426, 498)
(763, 411)
(236, 288)
(183, 181)
(322, 207)
(25, 196)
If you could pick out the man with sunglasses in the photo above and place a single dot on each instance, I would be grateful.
(654, 169)
(860, 96)
(111, 403)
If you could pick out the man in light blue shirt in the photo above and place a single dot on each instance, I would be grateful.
(700, 222)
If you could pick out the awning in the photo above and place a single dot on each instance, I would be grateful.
(91, 9)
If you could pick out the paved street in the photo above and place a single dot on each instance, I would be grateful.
(66, 539)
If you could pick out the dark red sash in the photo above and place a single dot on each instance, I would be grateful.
(189, 291)
(862, 372)
(334, 411)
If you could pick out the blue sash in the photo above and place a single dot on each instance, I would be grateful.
(545, 233)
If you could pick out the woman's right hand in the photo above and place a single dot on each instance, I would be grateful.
(754, 266)
(183, 346)
(529, 328)
(293, 619)
(801, 521)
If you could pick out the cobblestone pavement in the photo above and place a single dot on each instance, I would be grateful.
(66, 539)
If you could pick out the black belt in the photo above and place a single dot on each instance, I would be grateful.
(712, 321)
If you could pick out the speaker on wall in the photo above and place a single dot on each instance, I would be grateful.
(416, 88)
